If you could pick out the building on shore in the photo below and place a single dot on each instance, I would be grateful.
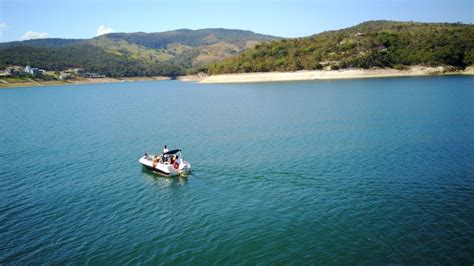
(64, 75)
(93, 75)
(34, 71)
(14, 71)
(5, 74)
(79, 71)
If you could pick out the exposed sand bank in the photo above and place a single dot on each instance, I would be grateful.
(111, 80)
(468, 71)
(144, 78)
(24, 83)
(330, 74)
(257, 77)
(11, 83)
(196, 77)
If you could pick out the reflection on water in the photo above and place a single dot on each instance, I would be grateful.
(163, 181)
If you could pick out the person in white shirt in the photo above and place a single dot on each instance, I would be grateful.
(165, 149)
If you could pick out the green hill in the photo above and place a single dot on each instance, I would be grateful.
(370, 44)
(43, 43)
(90, 57)
(168, 53)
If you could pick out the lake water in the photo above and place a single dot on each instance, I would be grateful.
(376, 171)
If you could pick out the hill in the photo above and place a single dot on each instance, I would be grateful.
(370, 44)
(43, 43)
(168, 53)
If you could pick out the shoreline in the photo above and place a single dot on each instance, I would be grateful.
(303, 75)
(82, 81)
(332, 74)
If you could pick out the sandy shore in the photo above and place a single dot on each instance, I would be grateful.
(112, 80)
(196, 77)
(258, 77)
(330, 74)
(32, 83)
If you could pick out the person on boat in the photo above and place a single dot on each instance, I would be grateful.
(165, 149)
(156, 159)
(146, 156)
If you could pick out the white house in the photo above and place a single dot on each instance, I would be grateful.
(64, 75)
(34, 70)
(28, 70)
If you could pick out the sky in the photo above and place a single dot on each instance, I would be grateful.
(28, 19)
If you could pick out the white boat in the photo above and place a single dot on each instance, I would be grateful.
(170, 163)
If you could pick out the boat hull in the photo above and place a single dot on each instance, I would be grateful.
(166, 168)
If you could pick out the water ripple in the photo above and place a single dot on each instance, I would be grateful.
(289, 173)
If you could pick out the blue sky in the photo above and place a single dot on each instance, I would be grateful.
(25, 19)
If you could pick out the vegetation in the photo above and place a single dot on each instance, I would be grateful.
(193, 38)
(92, 58)
(370, 44)
(169, 53)
(49, 42)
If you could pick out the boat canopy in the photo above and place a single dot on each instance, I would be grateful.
(172, 152)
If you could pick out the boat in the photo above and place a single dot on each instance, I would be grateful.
(169, 163)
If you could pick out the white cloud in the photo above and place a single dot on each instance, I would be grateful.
(103, 30)
(34, 35)
(3, 26)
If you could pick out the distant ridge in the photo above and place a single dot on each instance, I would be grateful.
(389, 44)
(385, 44)
(43, 43)
(167, 53)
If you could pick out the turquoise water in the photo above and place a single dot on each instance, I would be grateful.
(377, 171)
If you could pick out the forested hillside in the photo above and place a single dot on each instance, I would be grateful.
(168, 53)
(90, 57)
(370, 44)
